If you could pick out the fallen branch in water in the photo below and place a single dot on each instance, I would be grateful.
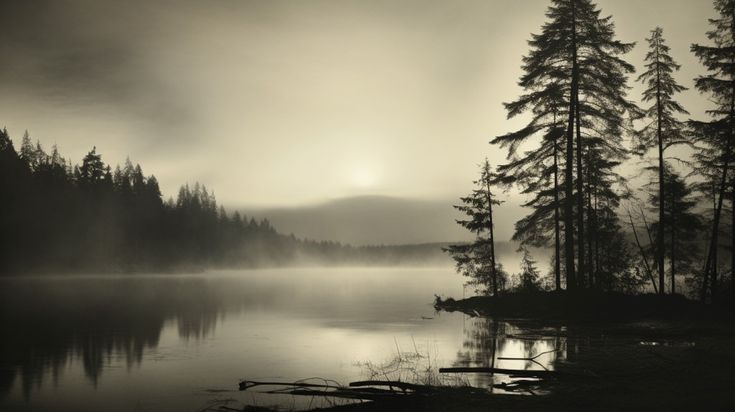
(511, 372)
(246, 384)
(533, 358)
(365, 390)
(523, 373)
(404, 386)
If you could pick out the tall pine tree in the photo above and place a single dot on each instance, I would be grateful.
(573, 74)
(716, 136)
(663, 129)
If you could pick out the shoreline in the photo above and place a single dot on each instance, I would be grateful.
(586, 305)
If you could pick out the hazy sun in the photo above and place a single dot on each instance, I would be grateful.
(364, 177)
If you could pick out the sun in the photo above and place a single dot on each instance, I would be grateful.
(364, 177)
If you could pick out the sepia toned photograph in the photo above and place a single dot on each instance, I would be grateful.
(367, 205)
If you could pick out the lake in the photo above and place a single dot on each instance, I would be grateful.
(183, 342)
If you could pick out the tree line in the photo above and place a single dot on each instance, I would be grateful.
(57, 216)
(583, 127)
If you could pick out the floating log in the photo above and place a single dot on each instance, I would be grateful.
(404, 386)
(365, 390)
(511, 372)
(245, 385)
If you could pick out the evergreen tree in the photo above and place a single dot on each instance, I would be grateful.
(28, 152)
(529, 276)
(683, 224)
(663, 129)
(537, 171)
(604, 232)
(573, 72)
(93, 170)
(717, 135)
(476, 260)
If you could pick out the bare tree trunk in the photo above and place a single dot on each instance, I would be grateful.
(649, 272)
(557, 243)
(493, 270)
(715, 257)
(732, 242)
(597, 240)
(711, 262)
(569, 175)
(590, 235)
(672, 227)
(580, 201)
(661, 221)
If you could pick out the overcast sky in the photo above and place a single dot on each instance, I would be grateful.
(291, 102)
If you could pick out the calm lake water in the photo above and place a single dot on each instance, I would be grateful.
(182, 342)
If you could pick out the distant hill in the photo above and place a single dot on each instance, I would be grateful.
(380, 220)
(424, 254)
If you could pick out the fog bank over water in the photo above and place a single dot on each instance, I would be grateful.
(376, 220)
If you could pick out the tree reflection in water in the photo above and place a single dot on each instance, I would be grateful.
(48, 324)
(500, 344)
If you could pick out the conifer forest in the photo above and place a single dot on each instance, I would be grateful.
(367, 205)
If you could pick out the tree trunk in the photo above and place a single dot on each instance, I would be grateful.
(583, 270)
(712, 255)
(661, 222)
(715, 260)
(672, 227)
(597, 241)
(590, 235)
(568, 173)
(493, 270)
(557, 251)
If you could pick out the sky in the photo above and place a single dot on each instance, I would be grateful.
(288, 103)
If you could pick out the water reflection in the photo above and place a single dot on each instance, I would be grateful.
(491, 343)
(51, 322)
(53, 325)
(165, 341)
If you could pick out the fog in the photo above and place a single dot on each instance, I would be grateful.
(286, 104)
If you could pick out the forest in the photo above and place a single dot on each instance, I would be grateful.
(57, 216)
(674, 232)
(627, 202)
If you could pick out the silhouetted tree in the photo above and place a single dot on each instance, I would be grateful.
(57, 216)
(716, 136)
(529, 276)
(663, 129)
(93, 170)
(476, 260)
(537, 170)
(683, 224)
(574, 63)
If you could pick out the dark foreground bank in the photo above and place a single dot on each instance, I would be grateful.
(679, 357)
(633, 367)
(586, 305)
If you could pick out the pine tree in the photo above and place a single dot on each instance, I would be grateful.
(93, 170)
(537, 170)
(529, 276)
(716, 136)
(28, 152)
(663, 129)
(574, 75)
(602, 198)
(476, 260)
(683, 224)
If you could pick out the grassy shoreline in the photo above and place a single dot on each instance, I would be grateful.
(641, 352)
